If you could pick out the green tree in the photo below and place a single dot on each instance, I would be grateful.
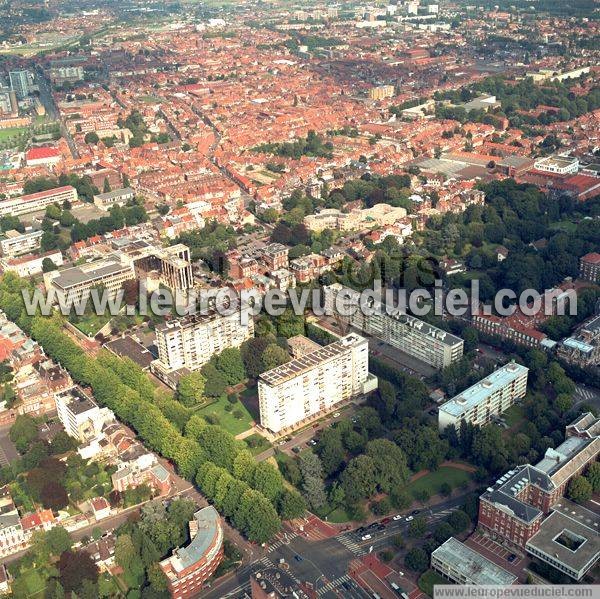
(416, 559)
(593, 476)
(23, 432)
(389, 461)
(268, 480)
(190, 389)
(359, 479)
(313, 485)
(274, 356)
(579, 489)
(229, 362)
(91, 138)
(417, 527)
(291, 505)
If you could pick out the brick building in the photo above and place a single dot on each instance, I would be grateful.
(589, 267)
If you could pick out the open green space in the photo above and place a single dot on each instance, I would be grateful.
(90, 324)
(564, 225)
(11, 132)
(514, 415)
(433, 481)
(429, 579)
(234, 418)
(257, 443)
(337, 516)
(30, 584)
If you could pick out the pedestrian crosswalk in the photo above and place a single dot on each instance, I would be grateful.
(352, 545)
(284, 539)
(266, 562)
(330, 586)
(584, 394)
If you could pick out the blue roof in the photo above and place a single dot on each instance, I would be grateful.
(479, 392)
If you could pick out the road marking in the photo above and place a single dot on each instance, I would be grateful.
(333, 584)
(353, 546)
(287, 538)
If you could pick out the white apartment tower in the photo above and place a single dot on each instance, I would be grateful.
(190, 342)
(414, 337)
(488, 398)
(314, 383)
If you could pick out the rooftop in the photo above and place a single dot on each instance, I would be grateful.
(77, 400)
(282, 373)
(477, 393)
(88, 273)
(472, 565)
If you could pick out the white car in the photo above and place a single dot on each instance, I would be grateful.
(397, 517)
(401, 573)
(337, 415)
(365, 537)
(408, 518)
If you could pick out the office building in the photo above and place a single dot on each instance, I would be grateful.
(462, 565)
(514, 507)
(558, 165)
(36, 202)
(190, 567)
(568, 539)
(80, 415)
(16, 244)
(488, 398)
(188, 343)
(21, 82)
(381, 92)
(414, 337)
(74, 284)
(314, 384)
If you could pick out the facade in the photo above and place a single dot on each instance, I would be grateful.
(314, 383)
(31, 264)
(190, 567)
(16, 244)
(189, 342)
(406, 333)
(381, 92)
(589, 267)
(117, 197)
(558, 165)
(75, 283)
(12, 537)
(513, 509)
(20, 83)
(35, 202)
(583, 348)
(490, 397)
(80, 415)
(275, 256)
(463, 565)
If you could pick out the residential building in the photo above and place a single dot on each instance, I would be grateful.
(488, 398)
(513, 509)
(589, 267)
(21, 82)
(12, 537)
(188, 343)
(188, 568)
(31, 264)
(314, 383)
(80, 415)
(382, 92)
(75, 283)
(36, 202)
(275, 256)
(43, 156)
(462, 565)
(117, 197)
(568, 539)
(406, 333)
(144, 471)
(16, 244)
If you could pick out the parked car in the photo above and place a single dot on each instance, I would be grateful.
(397, 517)
(409, 518)
(511, 558)
(381, 527)
(296, 449)
(386, 521)
(365, 537)
(298, 558)
(337, 415)
(415, 512)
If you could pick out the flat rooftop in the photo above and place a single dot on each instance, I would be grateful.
(479, 392)
(283, 373)
(569, 535)
(472, 565)
(88, 273)
(78, 401)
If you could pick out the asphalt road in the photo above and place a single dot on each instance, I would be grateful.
(324, 563)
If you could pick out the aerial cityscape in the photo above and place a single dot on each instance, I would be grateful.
(299, 299)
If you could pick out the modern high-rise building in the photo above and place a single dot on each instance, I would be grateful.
(20, 83)
(414, 337)
(80, 415)
(488, 398)
(314, 383)
(188, 343)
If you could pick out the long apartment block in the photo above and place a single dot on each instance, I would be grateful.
(314, 383)
(414, 337)
(35, 202)
(488, 398)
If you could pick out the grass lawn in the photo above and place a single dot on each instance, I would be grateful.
(564, 225)
(34, 583)
(226, 419)
(433, 481)
(257, 443)
(11, 132)
(429, 579)
(90, 324)
(514, 415)
(149, 99)
(338, 516)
